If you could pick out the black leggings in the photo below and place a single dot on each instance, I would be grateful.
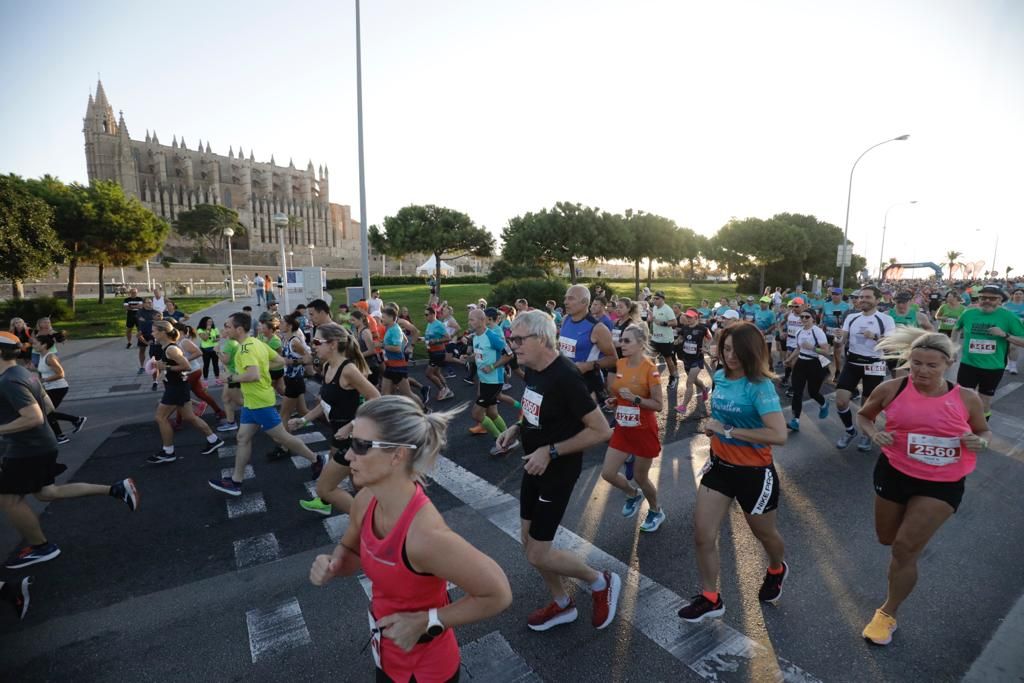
(807, 371)
(56, 396)
(210, 357)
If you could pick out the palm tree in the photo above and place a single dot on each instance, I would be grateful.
(951, 257)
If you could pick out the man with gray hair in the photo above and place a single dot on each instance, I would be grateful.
(585, 341)
(560, 420)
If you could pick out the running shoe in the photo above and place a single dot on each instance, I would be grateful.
(704, 395)
(276, 454)
(425, 394)
(823, 411)
(865, 445)
(552, 615)
(17, 595)
(673, 381)
(318, 466)
(226, 426)
(498, 450)
(450, 374)
(446, 394)
(700, 608)
(508, 387)
(846, 439)
(653, 521)
(771, 587)
(141, 370)
(468, 380)
(316, 505)
(212, 447)
(153, 388)
(79, 423)
(219, 382)
(161, 458)
(789, 393)
(1012, 367)
(632, 504)
(63, 439)
(477, 429)
(32, 554)
(126, 491)
(681, 409)
(794, 424)
(128, 345)
(881, 628)
(628, 466)
(199, 408)
(606, 601)
(227, 485)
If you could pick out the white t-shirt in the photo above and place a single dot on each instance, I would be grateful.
(160, 304)
(857, 324)
(259, 282)
(660, 332)
(375, 305)
(815, 337)
(793, 326)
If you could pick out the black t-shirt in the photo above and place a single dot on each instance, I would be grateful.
(132, 304)
(554, 403)
(935, 300)
(18, 389)
(692, 339)
(145, 318)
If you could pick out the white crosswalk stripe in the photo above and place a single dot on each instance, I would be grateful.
(276, 629)
(249, 504)
(229, 471)
(256, 550)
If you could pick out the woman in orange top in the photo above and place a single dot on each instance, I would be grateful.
(634, 392)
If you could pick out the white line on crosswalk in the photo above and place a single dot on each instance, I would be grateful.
(249, 504)
(276, 629)
(256, 550)
(335, 527)
(310, 437)
(301, 463)
(226, 452)
(229, 471)
(706, 649)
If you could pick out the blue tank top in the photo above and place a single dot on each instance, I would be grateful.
(574, 340)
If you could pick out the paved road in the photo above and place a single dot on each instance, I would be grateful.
(197, 587)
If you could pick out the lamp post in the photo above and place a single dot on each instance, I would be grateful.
(281, 222)
(311, 248)
(229, 233)
(885, 223)
(291, 258)
(849, 194)
(364, 237)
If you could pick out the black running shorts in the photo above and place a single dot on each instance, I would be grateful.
(294, 387)
(897, 487)
(665, 349)
(852, 375)
(756, 489)
(488, 395)
(691, 362)
(436, 360)
(395, 376)
(544, 498)
(176, 394)
(341, 446)
(985, 381)
(21, 476)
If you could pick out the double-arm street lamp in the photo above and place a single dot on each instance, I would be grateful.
(281, 222)
(885, 224)
(229, 233)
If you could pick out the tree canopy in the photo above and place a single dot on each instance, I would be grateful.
(29, 246)
(206, 223)
(645, 236)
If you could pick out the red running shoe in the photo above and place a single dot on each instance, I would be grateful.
(552, 615)
(607, 600)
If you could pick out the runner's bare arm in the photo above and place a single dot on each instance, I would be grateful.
(602, 339)
(344, 561)
(28, 417)
(880, 398)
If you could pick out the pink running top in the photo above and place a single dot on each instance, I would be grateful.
(397, 588)
(926, 433)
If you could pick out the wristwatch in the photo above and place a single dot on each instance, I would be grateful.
(727, 430)
(552, 451)
(636, 401)
(434, 625)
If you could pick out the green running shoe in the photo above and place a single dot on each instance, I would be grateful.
(316, 505)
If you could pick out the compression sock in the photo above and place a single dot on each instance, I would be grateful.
(775, 571)
(710, 597)
(491, 428)
(499, 422)
(847, 417)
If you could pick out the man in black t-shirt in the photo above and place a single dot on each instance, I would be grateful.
(144, 319)
(29, 461)
(132, 304)
(560, 421)
(690, 349)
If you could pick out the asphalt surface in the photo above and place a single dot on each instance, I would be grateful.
(160, 594)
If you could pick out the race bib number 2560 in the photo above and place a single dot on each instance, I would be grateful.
(933, 450)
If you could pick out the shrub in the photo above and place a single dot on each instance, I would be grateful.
(503, 270)
(536, 290)
(378, 281)
(32, 310)
(592, 285)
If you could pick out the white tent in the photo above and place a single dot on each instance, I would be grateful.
(429, 265)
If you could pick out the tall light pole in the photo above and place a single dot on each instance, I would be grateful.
(281, 222)
(885, 223)
(849, 194)
(291, 258)
(229, 233)
(363, 227)
(311, 248)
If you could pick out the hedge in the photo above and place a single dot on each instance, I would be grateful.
(536, 290)
(31, 310)
(341, 283)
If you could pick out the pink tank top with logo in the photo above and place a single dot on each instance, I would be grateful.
(397, 588)
(926, 434)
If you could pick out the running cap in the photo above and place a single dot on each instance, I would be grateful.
(731, 315)
(798, 301)
(902, 297)
(837, 290)
(471, 306)
(491, 312)
(362, 305)
(8, 339)
(750, 298)
(766, 299)
(506, 309)
(995, 290)
(690, 313)
(660, 294)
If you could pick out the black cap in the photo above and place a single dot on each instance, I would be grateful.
(902, 296)
(660, 294)
(491, 312)
(993, 289)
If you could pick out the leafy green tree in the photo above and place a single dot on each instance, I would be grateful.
(29, 246)
(951, 257)
(432, 230)
(120, 230)
(563, 234)
(206, 223)
(762, 243)
(66, 203)
(644, 236)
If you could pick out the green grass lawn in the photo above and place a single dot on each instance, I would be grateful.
(93, 319)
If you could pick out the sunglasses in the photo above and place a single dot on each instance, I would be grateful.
(806, 317)
(363, 446)
(518, 341)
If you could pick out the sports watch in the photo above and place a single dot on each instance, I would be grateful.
(434, 625)
(552, 451)
(637, 401)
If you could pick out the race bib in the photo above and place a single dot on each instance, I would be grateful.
(627, 416)
(950, 322)
(704, 469)
(567, 347)
(479, 356)
(531, 407)
(933, 450)
(690, 347)
(327, 409)
(616, 336)
(792, 329)
(982, 347)
(374, 639)
(875, 369)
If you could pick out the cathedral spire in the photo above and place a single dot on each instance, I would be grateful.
(252, 154)
(174, 142)
(89, 107)
(155, 138)
(148, 139)
(208, 147)
(199, 145)
(271, 159)
(122, 127)
(309, 166)
(101, 95)
(183, 142)
(241, 154)
(291, 164)
(231, 152)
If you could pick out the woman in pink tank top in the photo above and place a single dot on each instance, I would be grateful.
(933, 430)
(399, 540)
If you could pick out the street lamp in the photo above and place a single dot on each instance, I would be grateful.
(311, 248)
(229, 233)
(849, 194)
(885, 223)
(281, 222)
(291, 258)
(364, 238)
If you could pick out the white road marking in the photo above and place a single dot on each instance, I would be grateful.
(1006, 389)
(229, 471)
(249, 504)
(706, 649)
(492, 659)
(335, 527)
(276, 629)
(226, 452)
(301, 463)
(256, 550)
(310, 437)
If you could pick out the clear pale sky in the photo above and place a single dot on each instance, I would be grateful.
(697, 111)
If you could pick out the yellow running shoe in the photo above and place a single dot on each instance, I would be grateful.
(880, 630)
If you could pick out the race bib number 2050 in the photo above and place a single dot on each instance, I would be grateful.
(531, 407)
